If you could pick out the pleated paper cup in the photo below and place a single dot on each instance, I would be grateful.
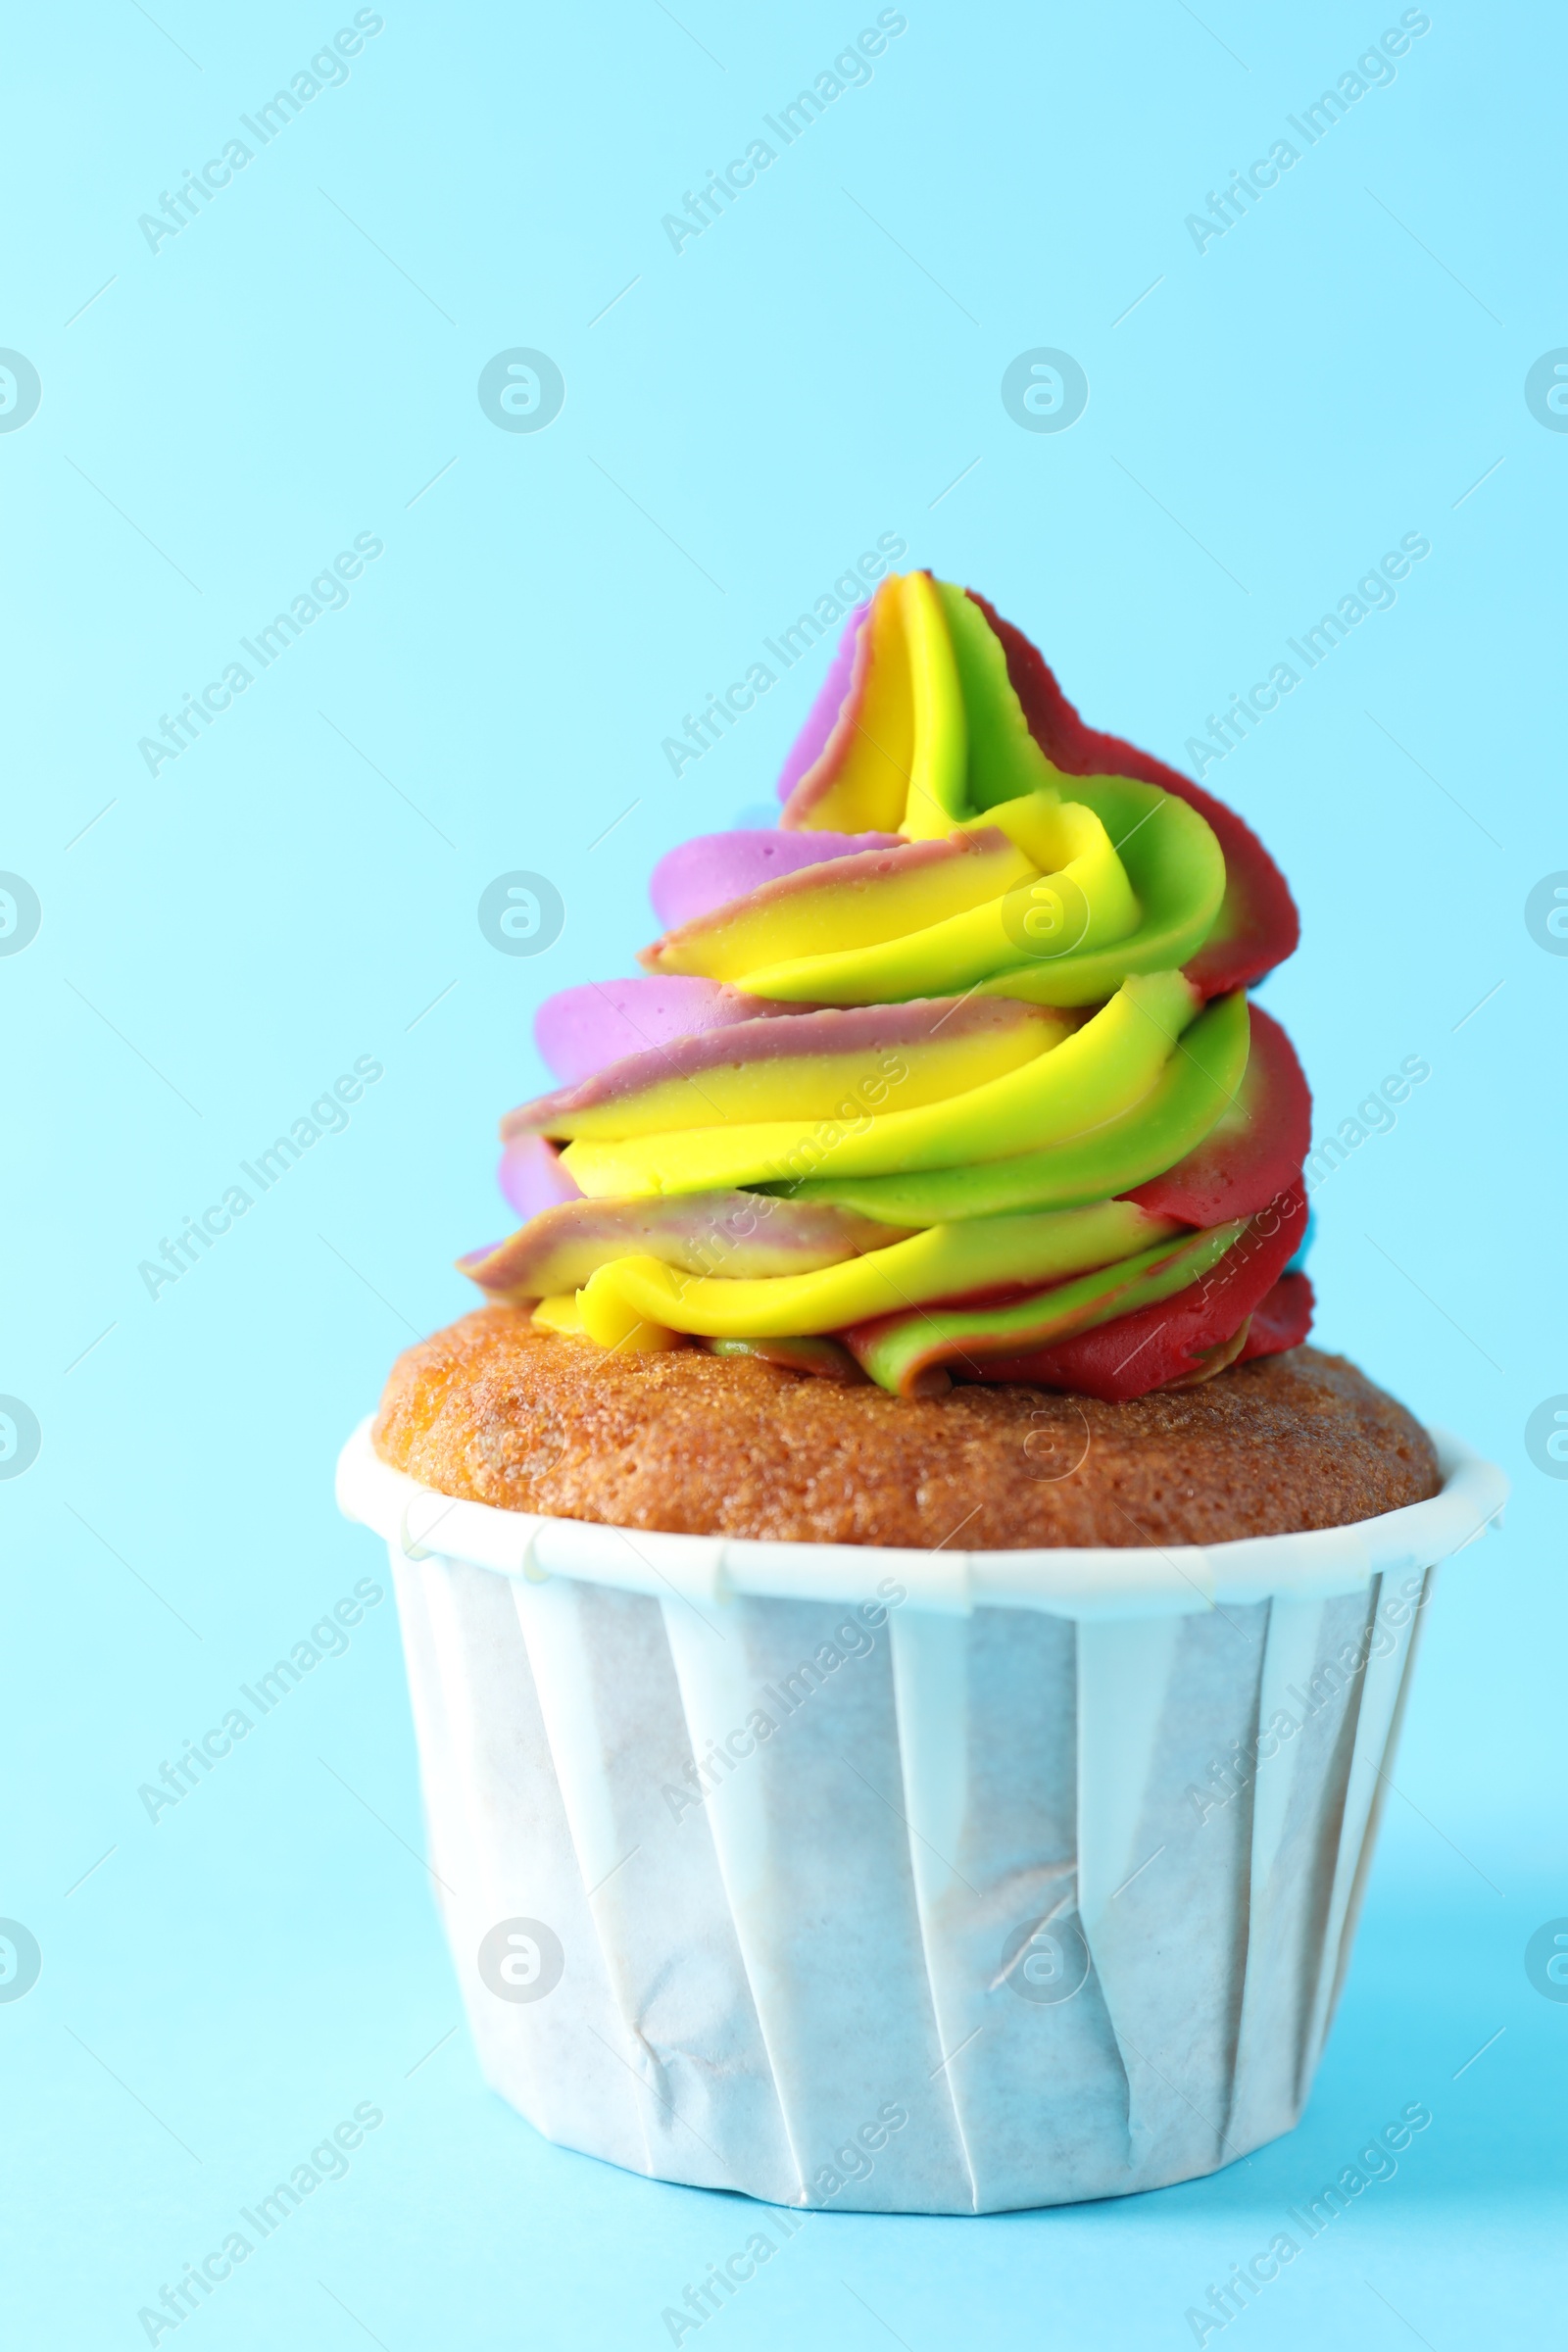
(904, 1882)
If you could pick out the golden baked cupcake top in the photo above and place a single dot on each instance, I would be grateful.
(497, 1410)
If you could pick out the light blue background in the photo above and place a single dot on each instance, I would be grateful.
(219, 942)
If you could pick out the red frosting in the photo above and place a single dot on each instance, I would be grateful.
(1168, 1341)
(1258, 925)
(1255, 1151)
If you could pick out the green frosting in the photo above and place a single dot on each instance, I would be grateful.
(1197, 1084)
(893, 1355)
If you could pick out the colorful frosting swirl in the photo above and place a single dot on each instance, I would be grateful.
(955, 1076)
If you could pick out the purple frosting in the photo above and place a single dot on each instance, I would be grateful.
(807, 744)
(533, 1178)
(580, 1030)
(782, 1033)
(717, 867)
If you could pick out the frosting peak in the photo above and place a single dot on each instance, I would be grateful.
(930, 730)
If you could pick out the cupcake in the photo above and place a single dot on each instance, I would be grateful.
(904, 1636)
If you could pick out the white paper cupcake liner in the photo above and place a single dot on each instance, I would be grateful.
(907, 1882)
